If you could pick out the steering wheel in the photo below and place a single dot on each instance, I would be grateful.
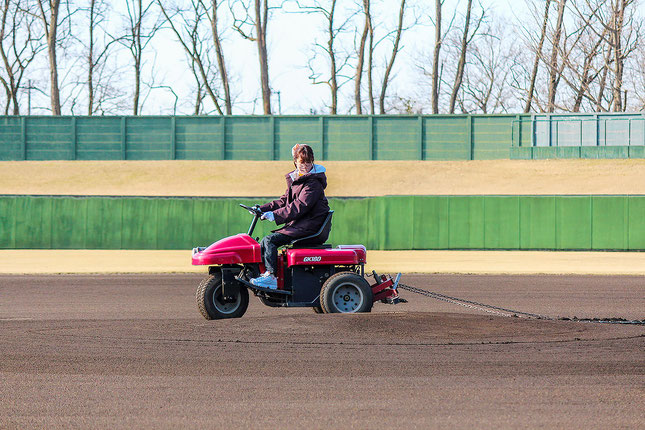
(253, 210)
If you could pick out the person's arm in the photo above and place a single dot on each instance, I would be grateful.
(306, 200)
(279, 203)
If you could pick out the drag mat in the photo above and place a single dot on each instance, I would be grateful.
(133, 351)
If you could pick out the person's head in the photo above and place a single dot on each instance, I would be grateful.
(303, 158)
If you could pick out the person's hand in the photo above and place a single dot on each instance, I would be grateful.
(255, 208)
(268, 216)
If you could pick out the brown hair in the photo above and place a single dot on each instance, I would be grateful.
(303, 152)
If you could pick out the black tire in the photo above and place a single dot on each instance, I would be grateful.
(210, 304)
(346, 292)
(318, 310)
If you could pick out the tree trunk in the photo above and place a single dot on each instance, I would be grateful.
(261, 17)
(390, 64)
(553, 64)
(332, 59)
(90, 70)
(435, 57)
(361, 56)
(220, 60)
(51, 28)
(462, 59)
(618, 18)
(538, 57)
(370, 67)
(10, 88)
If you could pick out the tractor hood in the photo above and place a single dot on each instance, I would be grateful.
(238, 249)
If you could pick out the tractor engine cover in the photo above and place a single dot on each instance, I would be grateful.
(324, 256)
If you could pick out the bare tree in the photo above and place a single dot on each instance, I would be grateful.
(338, 60)
(435, 56)
(49, 14)
(17, 29)
(140, 30)
(186, 24)
(466, 39)
(361, 55)
(538, 57)
(219, 52)
(253, 27)
(390, 64)
(553, 62)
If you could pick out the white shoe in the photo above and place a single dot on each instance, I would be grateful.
(266, 280)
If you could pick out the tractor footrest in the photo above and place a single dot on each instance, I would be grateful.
(266, 290)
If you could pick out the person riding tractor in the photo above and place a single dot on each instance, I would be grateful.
(302, 209)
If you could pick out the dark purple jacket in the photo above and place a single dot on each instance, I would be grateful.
(303, 207)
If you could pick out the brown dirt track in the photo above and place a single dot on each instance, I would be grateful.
(123, 351)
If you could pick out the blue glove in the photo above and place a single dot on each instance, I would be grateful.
(268, 215)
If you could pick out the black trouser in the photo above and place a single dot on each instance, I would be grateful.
(269, 245)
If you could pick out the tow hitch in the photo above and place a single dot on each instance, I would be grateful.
(385, 289)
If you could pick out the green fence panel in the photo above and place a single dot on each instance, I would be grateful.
(604, 152)
(49, 138)
(637, 152)
(351, 221)
(521, 153)
(208, 227)
(69, 217)
(446, 138)
(501, 222)
(466, 222)
(98, 138)
(567, 152)
(175, 224)
(249, 138)
(431, 218)
(104, 222)
(636, 222)
(396, 138)
(537, 222)
(7, 222)
(573, 222)
(11, 135)
(610, 222)
(348, 138)
(148, 138)
(292, 130)
(33, 222)
(398, 222)
(544, 152)
(199, 138)
(139, 228)
(490, 136)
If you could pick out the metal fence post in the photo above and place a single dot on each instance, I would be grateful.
(274, 150)
(223, 154)
(23, 137)
(173, 138)
(73, 142)
(124, 153)
(370, 136)
(469, 136)
(321, 129)
(421, 140)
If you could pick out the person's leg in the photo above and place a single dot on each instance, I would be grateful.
(269, 246)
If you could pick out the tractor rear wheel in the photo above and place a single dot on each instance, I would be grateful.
(212, 304)
(346, 292)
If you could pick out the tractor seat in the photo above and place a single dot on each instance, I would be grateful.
(316, 240)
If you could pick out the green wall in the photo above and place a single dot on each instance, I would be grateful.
(391, 222)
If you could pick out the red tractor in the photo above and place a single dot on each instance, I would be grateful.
(310, 274)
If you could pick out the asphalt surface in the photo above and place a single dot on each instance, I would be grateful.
(132, 351)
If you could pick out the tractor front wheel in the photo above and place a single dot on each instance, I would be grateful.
(213, 305)
(346, 292)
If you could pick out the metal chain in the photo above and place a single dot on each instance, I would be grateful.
(505, 312)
